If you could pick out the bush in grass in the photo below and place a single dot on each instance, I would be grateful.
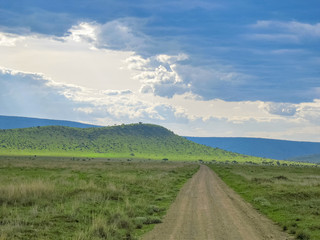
(139, 221)
(153, 209)
(147, 220)
(281, 177)
(303, 236)
(262, 201)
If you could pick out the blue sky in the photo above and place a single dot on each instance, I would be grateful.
(201, 68)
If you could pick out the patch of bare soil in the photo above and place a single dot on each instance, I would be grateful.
(206, 208)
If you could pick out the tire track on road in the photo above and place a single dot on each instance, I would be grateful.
(206, 208)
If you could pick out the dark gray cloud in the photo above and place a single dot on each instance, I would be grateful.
(213, 34)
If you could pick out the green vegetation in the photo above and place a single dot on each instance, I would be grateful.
(126, 141)
(314, 158)
(52, 198)
(289, 196)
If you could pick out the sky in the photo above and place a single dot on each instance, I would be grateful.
(207, 68)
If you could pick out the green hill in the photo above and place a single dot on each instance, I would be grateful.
(125, 141)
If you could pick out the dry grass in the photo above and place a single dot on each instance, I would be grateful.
(52, 198)
(25, 193)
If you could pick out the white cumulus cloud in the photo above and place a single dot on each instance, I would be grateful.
(119, 34)
(169, 75)
(83, 32)
(9, 40)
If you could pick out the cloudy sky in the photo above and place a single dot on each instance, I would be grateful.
(198, 67)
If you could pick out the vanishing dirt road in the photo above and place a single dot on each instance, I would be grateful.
(206, 208)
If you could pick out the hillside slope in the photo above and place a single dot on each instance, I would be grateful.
(11, 122)
(129, 141)
(314, 158)
(268, 148)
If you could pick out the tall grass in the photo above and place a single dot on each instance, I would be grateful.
(25, 192)
(92, 199)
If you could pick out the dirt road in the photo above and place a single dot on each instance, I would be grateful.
(206, 208)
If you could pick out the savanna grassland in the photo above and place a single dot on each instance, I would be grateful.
(81, 198)
(124, 141)
(290, 196)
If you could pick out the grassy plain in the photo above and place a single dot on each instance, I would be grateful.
(80, 198)
(290, 196)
